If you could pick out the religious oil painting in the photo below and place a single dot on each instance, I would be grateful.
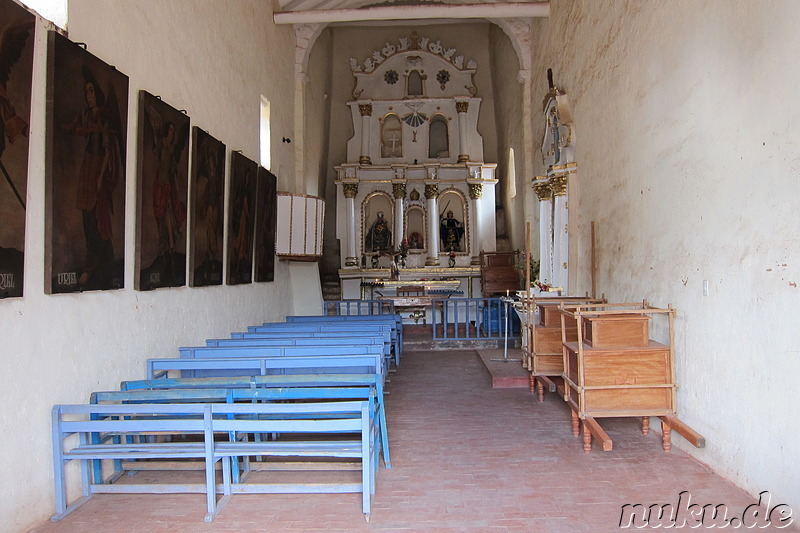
(208, 208)
(266, 222)
(162, 195)
(241, 221)
(378, 222)
(87, 116)
(17, 27)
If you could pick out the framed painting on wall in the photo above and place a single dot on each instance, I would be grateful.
(17, 26)
(241, 219)
(208, 208)
(266, 222)
(87, 116)
(162, 194)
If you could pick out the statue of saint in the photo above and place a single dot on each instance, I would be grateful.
(379, 237)
(451, 231)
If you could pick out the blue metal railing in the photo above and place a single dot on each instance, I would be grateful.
(473, 318)
(358, 307)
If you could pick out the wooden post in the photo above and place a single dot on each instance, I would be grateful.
(593, 266)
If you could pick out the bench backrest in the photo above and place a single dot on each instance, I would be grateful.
(344, 339)
(245, 350)
(263, 365)
(293, 380)
(216, 395)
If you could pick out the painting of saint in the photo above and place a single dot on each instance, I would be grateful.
(87, 114)
(163, 168)
(241, 219)
(208, 195)
(16, 66)
(266, 222)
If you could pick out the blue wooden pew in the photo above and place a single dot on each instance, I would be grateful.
(340, 340)
(356, 328)
(238, 420)
(263, 365)
(284, 382)
(394, 319)
(319, 350)
(262, 394)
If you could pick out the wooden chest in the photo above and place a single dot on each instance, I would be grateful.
(547, 356)
(608, 331)
(549, 315)
(603, 382)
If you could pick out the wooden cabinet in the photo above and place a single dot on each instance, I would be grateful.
(545, 336)
(499, 274)
(613, 369)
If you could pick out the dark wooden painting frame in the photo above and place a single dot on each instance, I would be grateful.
(266, 223)
(241, 210)
(17, 26)
(86, 136)
(206, 252)
(162, 194)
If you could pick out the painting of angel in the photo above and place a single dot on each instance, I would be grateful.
(16, 66)
(266, 221)
(87, 114)
(241, 219)
(162, 195)
(207, 201)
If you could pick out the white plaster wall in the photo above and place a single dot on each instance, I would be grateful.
(688, 123)
(508, 109)
(213, 59)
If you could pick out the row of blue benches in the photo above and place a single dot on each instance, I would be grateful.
(332, 388)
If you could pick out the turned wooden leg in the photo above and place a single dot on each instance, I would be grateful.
(533, 384)
(575, 421)
(645, 425)
(665, 436)
(540, 390)
(587, 438)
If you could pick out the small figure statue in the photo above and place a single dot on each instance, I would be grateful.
(379, 237)
(450, 232)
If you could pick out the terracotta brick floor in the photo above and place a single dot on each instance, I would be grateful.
(466, 458)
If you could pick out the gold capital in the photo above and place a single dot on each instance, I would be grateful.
(399, 191)
(350, 190)
(543, 191)
(559, 185)
(431, 191)
(462, 107)
(475, 190)
(365, 110)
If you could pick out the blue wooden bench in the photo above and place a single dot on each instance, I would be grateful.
(265, 364)
(284, 382)
(277, 392)
(393, 319)
(266, 340)
(319, 349)
(93, 423)
(355, 328)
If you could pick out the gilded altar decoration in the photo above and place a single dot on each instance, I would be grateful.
(350, 190)
(399, 190)
(543, 191)
(365, 110)
(462, 107)
(443, 77)
(475, 191)
(391, 77)
(431, 191)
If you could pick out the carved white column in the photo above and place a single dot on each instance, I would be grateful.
(545, 195)
(366, 115)
(350, 191)
(560, 232)
(461, 110)
(432, 194)
(475, 194)
(399, 193)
